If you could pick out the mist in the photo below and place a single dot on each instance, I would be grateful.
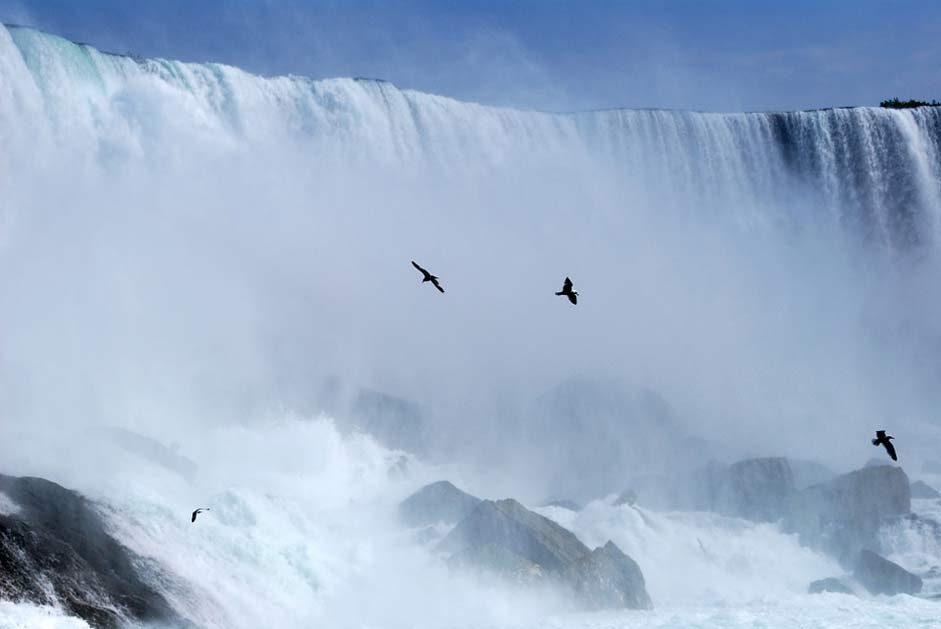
(196, 254)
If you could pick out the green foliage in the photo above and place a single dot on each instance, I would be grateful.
(895, 103)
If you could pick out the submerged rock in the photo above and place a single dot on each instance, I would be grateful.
(921, 489)
(508, 539)
(832, 584)
(55, 550)
(439, 502)
(881, 576)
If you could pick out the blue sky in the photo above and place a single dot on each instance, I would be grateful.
(725, 56)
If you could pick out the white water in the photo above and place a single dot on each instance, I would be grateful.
(188, 250)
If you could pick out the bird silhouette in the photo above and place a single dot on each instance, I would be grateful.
(568, 292)
(198, 511)
(428, 276)
(885, 440)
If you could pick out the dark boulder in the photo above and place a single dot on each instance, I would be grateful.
(832, 584)
(439, 502)
(881, 576)
(921, 489)
(54, 549)
(607, 578)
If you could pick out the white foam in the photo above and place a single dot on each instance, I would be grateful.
(29, 616)
(7, 506)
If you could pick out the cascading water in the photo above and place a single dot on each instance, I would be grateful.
(188, 250)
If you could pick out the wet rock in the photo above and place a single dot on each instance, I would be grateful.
(54, 549)
(754, 489)
(506, 538)
(881, 576)
(606, 578)
(843, 516)
(439, 502)
(508, 524)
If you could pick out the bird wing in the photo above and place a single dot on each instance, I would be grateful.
(434, 280)
(573, 298)
(880, 434)
(567, 286)
(417, 266)
(194, 515)
(891, 450)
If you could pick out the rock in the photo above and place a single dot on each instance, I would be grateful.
(439, 502)
(807, 473)
(589, 424)
(502, 561)
(759, 489)
(506, 538)
(921, 489)
(754, 489)
(877, 461)
(843, 516)
(55, 550)
(394, 422)
(607, 578)
(831, 584)
(626, 497)
(510, 525)
(881, 576)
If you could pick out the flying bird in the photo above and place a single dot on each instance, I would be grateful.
(198, 511)
(428, 276)
(885, 440)
(568, 292)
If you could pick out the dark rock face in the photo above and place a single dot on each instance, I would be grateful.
(55, 549)
(506, 538)
(843, 516)
(832, 584)
(607, 578)
(881, 576)
(921, 489)
(437, 502)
